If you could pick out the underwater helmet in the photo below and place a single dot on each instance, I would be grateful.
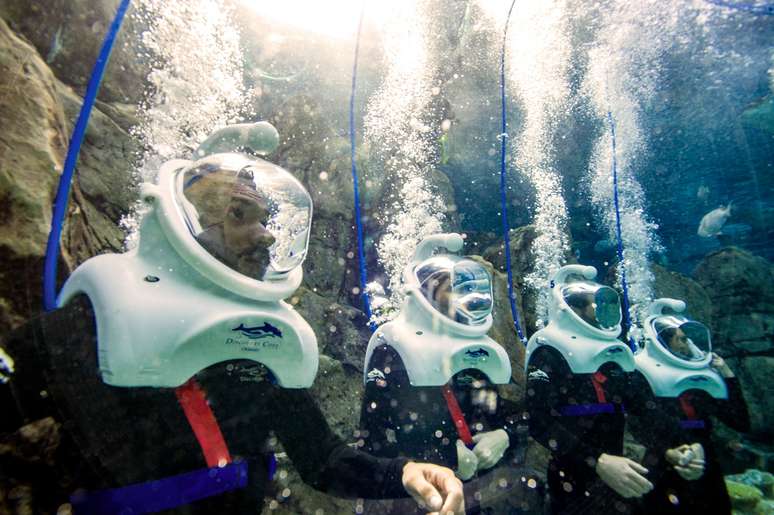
(584, 322)
(675, 352)
(220, 245)
(447, 311)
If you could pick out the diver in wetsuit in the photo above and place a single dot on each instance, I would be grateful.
(193, 318)
(431, 374)
(693, 384)
(577, 390)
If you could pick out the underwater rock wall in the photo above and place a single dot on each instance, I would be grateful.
(742, 324)
(32, 147)
(38, 112)
(68, 34)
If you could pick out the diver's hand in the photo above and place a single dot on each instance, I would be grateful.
(490, 447)
(6, 366)
(687, 460)
(434, 487)
(720, 365)
(467, 461)
(623, 475)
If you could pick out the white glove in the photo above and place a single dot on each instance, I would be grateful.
(688, 461)
(6, 366)
(467, 462)
(490, 447)
(623, 475)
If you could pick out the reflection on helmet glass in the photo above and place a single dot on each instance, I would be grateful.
(597, 305)
(683, 338)
(608, 308)
(472, 290)
(458, 288)
(252, 216)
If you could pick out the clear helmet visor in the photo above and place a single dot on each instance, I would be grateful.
(597, 305)
(251, 215)
(458, 288)
(683, 338)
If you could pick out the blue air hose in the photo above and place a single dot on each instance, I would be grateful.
(65, 180)
(358, 218)
(762, 9)
(619, 239)
(503, 196)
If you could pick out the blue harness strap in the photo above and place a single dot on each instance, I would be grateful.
(162, 494)
(584, 410)
(692, 424)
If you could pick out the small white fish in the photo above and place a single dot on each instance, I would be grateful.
(702, 192)
(56, 46)
(713, 222)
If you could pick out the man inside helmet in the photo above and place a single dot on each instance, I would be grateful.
(236, 232)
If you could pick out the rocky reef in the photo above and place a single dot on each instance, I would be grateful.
(752, 492)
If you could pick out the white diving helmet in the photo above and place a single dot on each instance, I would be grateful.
(675, 353)
(441, 329)
(584, 322)
(220, 246)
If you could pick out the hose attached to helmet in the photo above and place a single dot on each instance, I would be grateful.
(358, 219)
(503, 196)
(66, 179)
(619, 239)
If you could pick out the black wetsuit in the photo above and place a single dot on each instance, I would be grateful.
(398, 419)
(578, 417)
(134, 435)
(695, 409)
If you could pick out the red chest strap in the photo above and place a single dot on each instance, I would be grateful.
(457, 416)
(597, 380)
(204, 424)
(685, 404)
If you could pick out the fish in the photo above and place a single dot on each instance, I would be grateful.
(259, 331)
(712, 223)
(56, 46)
(702, 192)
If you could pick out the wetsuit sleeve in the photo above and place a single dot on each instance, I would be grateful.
(732, 412)
(546, 374)
(507, 417)
(324, 461)
(21, 401)
(653, 426)
(385, 378)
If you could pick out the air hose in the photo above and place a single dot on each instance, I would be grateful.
(503, 187)
(66, 179)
